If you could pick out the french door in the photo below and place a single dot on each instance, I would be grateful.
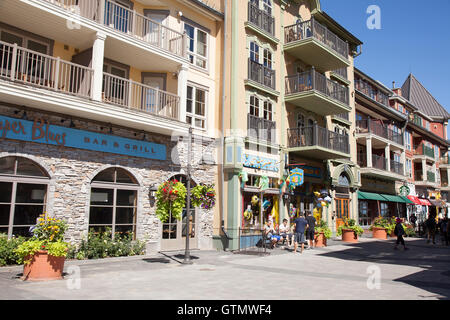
(342, 211)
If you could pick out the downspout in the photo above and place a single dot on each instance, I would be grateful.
(222, 176)
(357, 54)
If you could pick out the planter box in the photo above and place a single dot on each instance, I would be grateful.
(320, 240)
(348, 235)
(379, 233)
(43, 267)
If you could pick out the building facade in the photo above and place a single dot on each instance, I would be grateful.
(96, 98)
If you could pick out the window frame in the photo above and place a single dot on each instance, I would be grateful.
(192, 114)
(195, 55)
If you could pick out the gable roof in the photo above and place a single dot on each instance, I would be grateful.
(420, 97)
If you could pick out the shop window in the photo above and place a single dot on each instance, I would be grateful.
(23, 195)
(384, 209)
(364, 218)
(113, 202)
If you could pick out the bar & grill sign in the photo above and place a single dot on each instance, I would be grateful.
(41, 131)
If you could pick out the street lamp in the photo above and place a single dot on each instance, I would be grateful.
(187, 254)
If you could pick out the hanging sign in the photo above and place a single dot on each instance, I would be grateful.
(297, 177)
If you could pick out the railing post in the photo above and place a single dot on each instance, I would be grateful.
(313, 76)
(101, 11)
(14, 62)
(56, 80)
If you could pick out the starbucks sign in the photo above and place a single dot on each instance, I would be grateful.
(404, 191)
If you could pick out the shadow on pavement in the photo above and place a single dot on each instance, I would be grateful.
(434, 259)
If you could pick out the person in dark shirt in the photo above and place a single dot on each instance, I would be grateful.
(300, 225)
(310, 231)
(399, 232)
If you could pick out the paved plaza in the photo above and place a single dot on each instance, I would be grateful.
(370, 270)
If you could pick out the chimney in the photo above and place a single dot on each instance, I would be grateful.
(393, 84)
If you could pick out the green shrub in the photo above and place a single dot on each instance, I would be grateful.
(322, 226)
(100, 245)
(409, 230)
(350, 224)
(7, 254)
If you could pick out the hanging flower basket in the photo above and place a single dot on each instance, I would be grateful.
(170, 199)
(203, 196)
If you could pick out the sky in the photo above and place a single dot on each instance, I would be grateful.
(414, 38)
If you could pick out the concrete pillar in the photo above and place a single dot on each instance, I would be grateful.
(403, 160)
(98, 53)
(182, 91)
(424, 170)
(387, 155)
(369, 152)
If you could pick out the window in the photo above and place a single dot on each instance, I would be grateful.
(300, 120)
(254, 106)
(401, 109)
(268, 113)
(196, 107)
(197, 45)
(267, 6)
(267, 59)
(113, 202)
(384, 209)
(436, 152)
(408, 140)
(118, 15)
(23, 195)
(254, 52)
(409, 168)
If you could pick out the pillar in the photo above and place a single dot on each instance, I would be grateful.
(369, 152)
(387, 155)
(182, 91)
(424, 170)
(403, 160)
(98, 53)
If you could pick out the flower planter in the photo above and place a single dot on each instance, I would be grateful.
(320, 240)
(379, 233)
(348, 235)
(43, 267)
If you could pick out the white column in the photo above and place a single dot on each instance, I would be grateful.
(182, 91)
(387, 155)
(434, 170)
(369, 152)
(98, 53)
(424, 170)
(403, 160)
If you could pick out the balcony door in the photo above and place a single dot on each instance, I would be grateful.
(154, 27)
(153, 99)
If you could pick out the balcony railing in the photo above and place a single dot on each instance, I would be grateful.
(378, 162)
(125, 20)
(313, 29)
(445, 160)
(33, 68)
(260, 128)
(313, 80)
(261, 74)
(318, 136)
(261, 19)
(424, 151)
(344, 116)
(134, 95)
(431, 176)
(376, 128)
(397, 167)
(341, 72)
(371, 91)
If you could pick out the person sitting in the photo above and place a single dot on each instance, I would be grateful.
(285, 233)
(269, 233)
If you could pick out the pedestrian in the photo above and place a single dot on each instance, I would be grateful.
(300, 226)
(310, 231)
(443, 226)
(413, 220)
(399, 231)
(431, 228)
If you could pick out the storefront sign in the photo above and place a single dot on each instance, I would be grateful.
(312, 172)
(40, 131)
(296, 178)
(255, 162)
(404, 191)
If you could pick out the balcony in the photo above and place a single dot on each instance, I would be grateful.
(421, 151)
(369, 126)
(317, 46)
(314, 92)
(379, 163)
(444, 162)
(261, 129)
(262, 20)
(397, 167)
(137, 96)
(35, 69)
(370, 91)
(132, 38)
(320, 143)
(261, 75)
(430, 178)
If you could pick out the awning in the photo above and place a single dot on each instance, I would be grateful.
(383, 197)
(425, 202)
(415, 200)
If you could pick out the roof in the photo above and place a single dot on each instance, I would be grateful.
(419, 96)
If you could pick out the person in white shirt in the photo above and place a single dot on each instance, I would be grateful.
(285, 233)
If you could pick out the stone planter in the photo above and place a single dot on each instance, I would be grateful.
(348, 235)
(43, 267)
(379, 233)
(320, 240)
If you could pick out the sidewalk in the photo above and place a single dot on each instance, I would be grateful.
(339, 271)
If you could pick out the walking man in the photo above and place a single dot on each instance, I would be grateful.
(310, 231)
(399, 231)
(431, 228)
(300, 225)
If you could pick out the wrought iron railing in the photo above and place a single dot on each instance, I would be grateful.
(318, 136)
(261, 129)
(313, 29)
(261, 19)
(312, 80)
(397, 167)
(379, 129)
(261, 74)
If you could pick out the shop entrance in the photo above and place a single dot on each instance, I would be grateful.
(342, 211)
(174, 231)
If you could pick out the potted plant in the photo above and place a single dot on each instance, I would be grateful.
(381, 228)
(321, 234)
(204, 196)
(43, 254)
(350, 231)
(170, 199)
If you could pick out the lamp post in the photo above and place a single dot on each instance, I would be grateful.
(187, 254)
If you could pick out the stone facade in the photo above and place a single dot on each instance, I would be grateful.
(71, 172)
